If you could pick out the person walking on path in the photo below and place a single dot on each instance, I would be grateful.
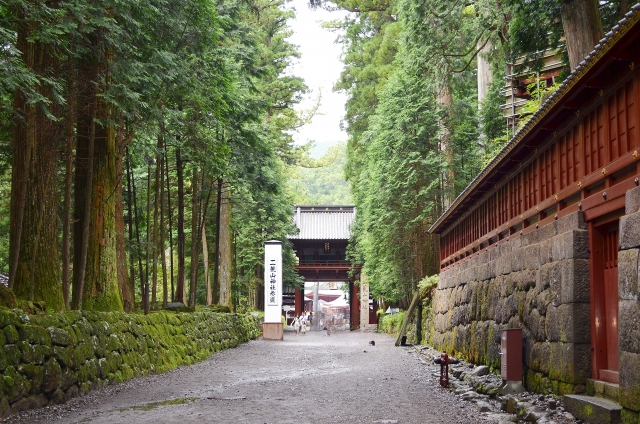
(296, 325)
(303, 325)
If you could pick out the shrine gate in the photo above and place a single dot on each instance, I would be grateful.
(320, 246)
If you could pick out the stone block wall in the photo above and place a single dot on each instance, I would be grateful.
(629, 305)
(538, 282)
(46, 360)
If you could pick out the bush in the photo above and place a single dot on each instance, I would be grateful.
(391, 323)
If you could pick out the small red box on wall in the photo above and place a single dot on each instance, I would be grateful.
(511, 354)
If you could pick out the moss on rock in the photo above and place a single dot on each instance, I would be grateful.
(40, 353)
(52, 358)
(35, 375)
(11, 334)
(59, 336)
(12, 354)
(3, 359)
(34, 335)
(7, 298)
(16, 385)
(26, 352)
(629, 417)
(52, 379)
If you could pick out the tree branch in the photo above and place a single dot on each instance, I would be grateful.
(472, 57)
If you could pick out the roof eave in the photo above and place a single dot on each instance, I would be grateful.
(566, 89)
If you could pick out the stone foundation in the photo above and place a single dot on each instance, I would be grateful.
(629, 305)
(272, 331)
(538, 282)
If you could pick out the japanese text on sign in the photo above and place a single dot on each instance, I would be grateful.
(272, 286)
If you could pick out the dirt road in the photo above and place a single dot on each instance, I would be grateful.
(304, 379)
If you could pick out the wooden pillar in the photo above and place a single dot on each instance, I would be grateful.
(299, 302)
(354, 307)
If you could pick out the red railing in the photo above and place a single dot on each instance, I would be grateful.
(588, 163)
(324, 263)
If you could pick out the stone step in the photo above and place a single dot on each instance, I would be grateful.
(593, 410)
(603, 389)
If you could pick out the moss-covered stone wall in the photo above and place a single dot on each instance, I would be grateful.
(629, 307)
(538, 282)
(48, 359)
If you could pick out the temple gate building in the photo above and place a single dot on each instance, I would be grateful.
(321, 245)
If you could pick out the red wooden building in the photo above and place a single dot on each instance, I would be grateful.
(537, 239)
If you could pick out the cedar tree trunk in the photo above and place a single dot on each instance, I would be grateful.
(582, 28)
(34, 253)
(163, 254)
(216, 260)
(181, 289)
(226, 254)
(205, 265)
(195, 221)
(98, 290)
(125, 280)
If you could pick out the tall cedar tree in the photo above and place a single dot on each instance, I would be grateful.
(34, 272)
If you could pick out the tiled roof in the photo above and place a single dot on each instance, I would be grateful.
(325, 297)
(323, 222)
(587, 64)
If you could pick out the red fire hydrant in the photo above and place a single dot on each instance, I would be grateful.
(444, 362)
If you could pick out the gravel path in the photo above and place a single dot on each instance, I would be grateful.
(304, 379)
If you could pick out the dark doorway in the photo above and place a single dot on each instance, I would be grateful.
(373, 311)
(604, 299)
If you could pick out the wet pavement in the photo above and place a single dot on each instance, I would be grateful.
(314, 378)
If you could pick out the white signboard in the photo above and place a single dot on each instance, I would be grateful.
(272, 281)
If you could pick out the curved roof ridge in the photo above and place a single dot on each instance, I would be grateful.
(320, 222)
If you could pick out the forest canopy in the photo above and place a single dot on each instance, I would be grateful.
(426, 83)
(146, 148)
(143, 150)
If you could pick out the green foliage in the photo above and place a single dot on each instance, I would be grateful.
(412, 116)
(404, 139)
(206, 78)
(427, 284)
(464, 136)
(370, 44)
(261, 215)
(391, 323)
(612, 11)
(262, 147)
(445, 37)
(539, 93)
(537, 25)
(210, 80)
(494, 131)
(534, 27)
(397, 192)
(493, 147)
(324, 183)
